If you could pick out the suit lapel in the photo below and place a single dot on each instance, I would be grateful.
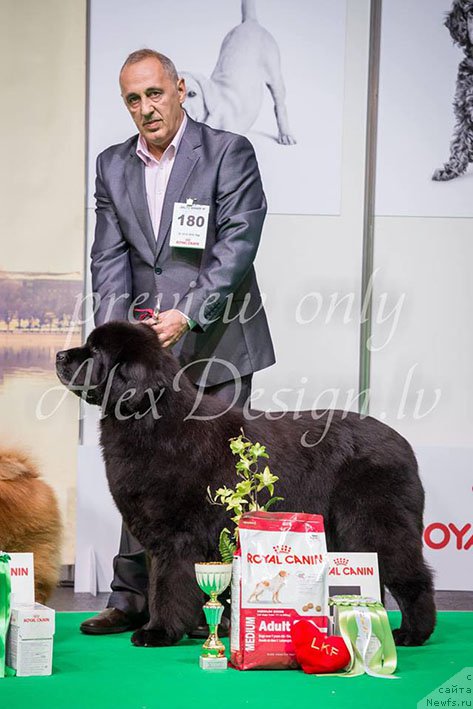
(136, 186)
(186, 158)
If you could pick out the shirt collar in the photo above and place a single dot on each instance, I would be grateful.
(144, 154)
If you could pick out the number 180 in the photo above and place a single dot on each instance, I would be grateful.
(190, 220)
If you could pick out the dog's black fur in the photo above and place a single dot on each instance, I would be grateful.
(362, 477)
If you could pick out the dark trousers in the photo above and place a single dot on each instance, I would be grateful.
(130, 573)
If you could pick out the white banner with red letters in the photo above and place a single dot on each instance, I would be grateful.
(22, 577)
(447, 475)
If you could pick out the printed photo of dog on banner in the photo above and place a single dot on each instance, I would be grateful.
(425, 119)
(459, 23)
(250, 538)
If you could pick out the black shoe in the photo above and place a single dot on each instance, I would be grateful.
(112, 620)
(202, 631)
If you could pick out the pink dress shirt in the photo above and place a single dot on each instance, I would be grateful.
(157, 173)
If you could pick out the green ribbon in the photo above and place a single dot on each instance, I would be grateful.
(364, 626)
(5, 591)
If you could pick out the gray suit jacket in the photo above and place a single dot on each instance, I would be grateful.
(217, 286)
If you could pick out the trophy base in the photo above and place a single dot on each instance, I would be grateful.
(213, 663)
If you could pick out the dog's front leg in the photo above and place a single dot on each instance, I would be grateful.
(460, 156)
(174, 604)
(278, 93)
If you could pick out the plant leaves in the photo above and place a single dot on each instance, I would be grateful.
(245, 492)
(243, 464)
(226, 546)
(259, 451)
(222, 492)
(238, 445)
(244, 488)
(266, 479)
(271, 502)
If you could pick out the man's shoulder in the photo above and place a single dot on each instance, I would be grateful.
(118, 150)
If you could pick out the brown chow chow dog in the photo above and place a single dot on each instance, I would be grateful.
(30, 519)
(357, 472)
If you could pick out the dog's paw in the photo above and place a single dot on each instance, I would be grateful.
(151, 638)
(407, 638)
(286, 139)
(443, 174)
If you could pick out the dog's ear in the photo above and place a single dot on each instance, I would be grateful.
(207, 98)
(457, 24)
(141, 389)
(210, 95)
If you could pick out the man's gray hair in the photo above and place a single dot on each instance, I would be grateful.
(141, 54)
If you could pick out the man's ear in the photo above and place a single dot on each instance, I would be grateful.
(181, 90)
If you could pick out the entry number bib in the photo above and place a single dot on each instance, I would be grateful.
(189, 225)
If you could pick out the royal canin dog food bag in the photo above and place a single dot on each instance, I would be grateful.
(279, 574)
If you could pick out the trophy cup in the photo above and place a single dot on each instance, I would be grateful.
(213, 578)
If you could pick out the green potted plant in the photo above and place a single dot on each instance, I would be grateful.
(255, 478)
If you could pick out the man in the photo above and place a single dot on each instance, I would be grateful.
(210, 307)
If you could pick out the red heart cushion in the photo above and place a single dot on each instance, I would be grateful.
(315, 651)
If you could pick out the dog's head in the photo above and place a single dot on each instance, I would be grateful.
(201, 96)
(121, 367)
(459, 22)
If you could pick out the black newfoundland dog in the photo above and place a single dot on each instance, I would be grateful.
(362, 477)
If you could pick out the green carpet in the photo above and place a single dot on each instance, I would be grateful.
(108, 672)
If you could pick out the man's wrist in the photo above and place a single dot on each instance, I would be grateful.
(190, 323)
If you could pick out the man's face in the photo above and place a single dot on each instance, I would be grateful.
(154, 101)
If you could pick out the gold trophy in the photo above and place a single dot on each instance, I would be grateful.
(213, 578)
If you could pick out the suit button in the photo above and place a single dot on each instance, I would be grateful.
(158, 270)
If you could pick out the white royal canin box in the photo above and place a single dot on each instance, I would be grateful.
(32, 625)
(30, 640)
(353, 573)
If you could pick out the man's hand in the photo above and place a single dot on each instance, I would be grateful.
(169, 327)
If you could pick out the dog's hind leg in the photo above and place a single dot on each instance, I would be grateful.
(409, 579)
(415, 598)
(398, 543)
(405, 573)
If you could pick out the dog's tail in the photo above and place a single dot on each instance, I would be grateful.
(15, 464)
(248, 10)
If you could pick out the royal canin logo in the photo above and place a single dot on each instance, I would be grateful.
(439, 535)
(341, 567)
(280, 559)
(36, 620)
(283, 549)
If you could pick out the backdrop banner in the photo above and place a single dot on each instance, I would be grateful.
(417, 121)
(448, 521)
(277, 78)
